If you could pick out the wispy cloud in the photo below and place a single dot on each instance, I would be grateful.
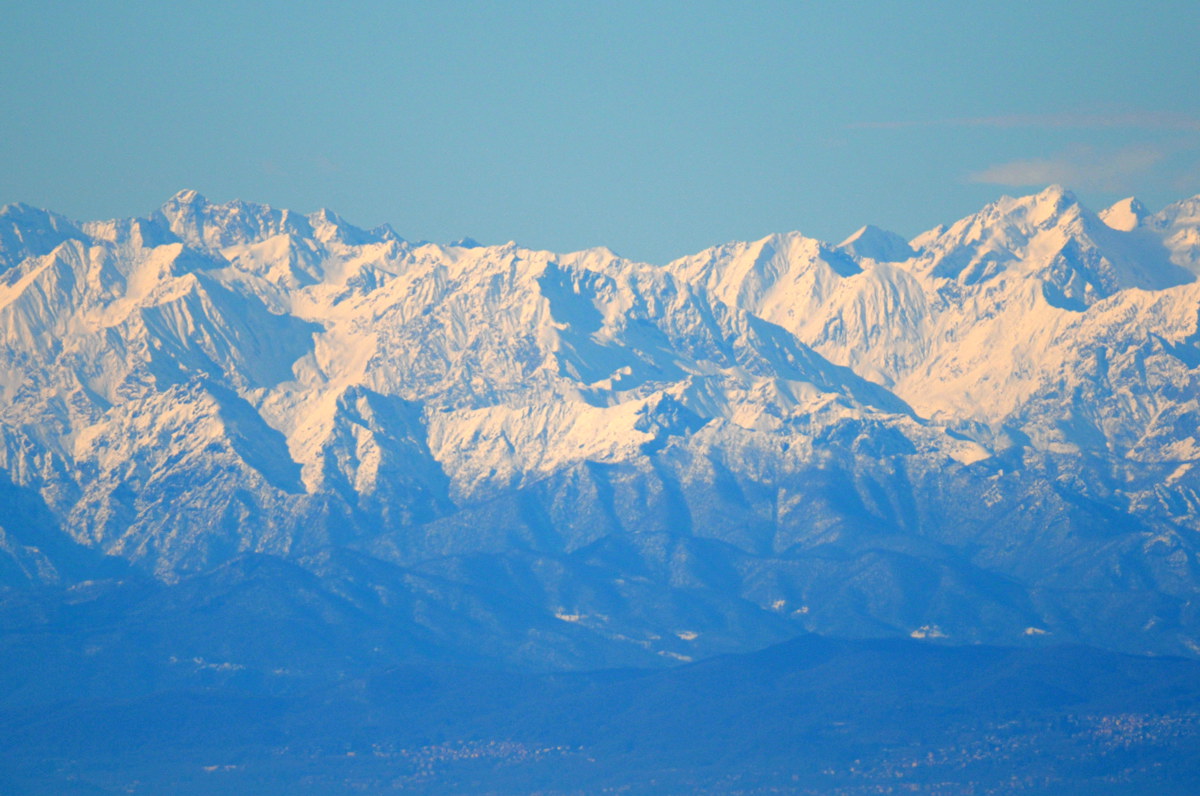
(327, 165)
(1080, 167)
(1145, 120)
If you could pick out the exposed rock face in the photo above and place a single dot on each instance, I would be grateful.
(990, 431)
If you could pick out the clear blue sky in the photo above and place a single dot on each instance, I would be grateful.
(653, 128)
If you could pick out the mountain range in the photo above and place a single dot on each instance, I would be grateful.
(987, 434)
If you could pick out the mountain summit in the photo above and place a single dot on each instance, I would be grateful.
(877, 244)
(1126, 215)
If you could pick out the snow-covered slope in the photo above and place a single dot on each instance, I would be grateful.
(1010, 306)
(987, 433)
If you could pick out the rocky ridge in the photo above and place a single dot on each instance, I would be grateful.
(988, 433)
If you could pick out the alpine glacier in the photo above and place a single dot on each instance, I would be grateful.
(986, 434)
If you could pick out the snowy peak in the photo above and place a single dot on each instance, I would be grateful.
(1008, 219)
(188, 197)
(1050, 238)
(276, 249)
(1045, 208)
(877, 244)
(186, 207)
(29, 232)
(1185, 213)
(205, 225)
(327, 227)
(980, 246)
(1125, 215)
(1179, 225)
(777, 269)
(136, 233)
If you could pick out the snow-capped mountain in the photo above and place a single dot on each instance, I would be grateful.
(986, 433)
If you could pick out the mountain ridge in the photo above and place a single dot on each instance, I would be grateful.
(760, 439)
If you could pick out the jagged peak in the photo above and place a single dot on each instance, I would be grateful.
(1056, 193)
(1011, 218)
(187, 197)
(326, 216)
(1041, 209)
(328, 225)
(19, 212)
(1125, 215)
(27, 231)
(212, 225)
(147, 232)
(191, 202)
(878, 244)
(386, 232)
(1185, 212)
(926, 238)
(862, 232)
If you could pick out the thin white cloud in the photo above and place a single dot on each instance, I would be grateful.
(1144, 120)
(1027, 172)
(327, 165)
(1079, 167)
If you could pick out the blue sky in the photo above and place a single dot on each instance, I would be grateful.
(654, 128)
